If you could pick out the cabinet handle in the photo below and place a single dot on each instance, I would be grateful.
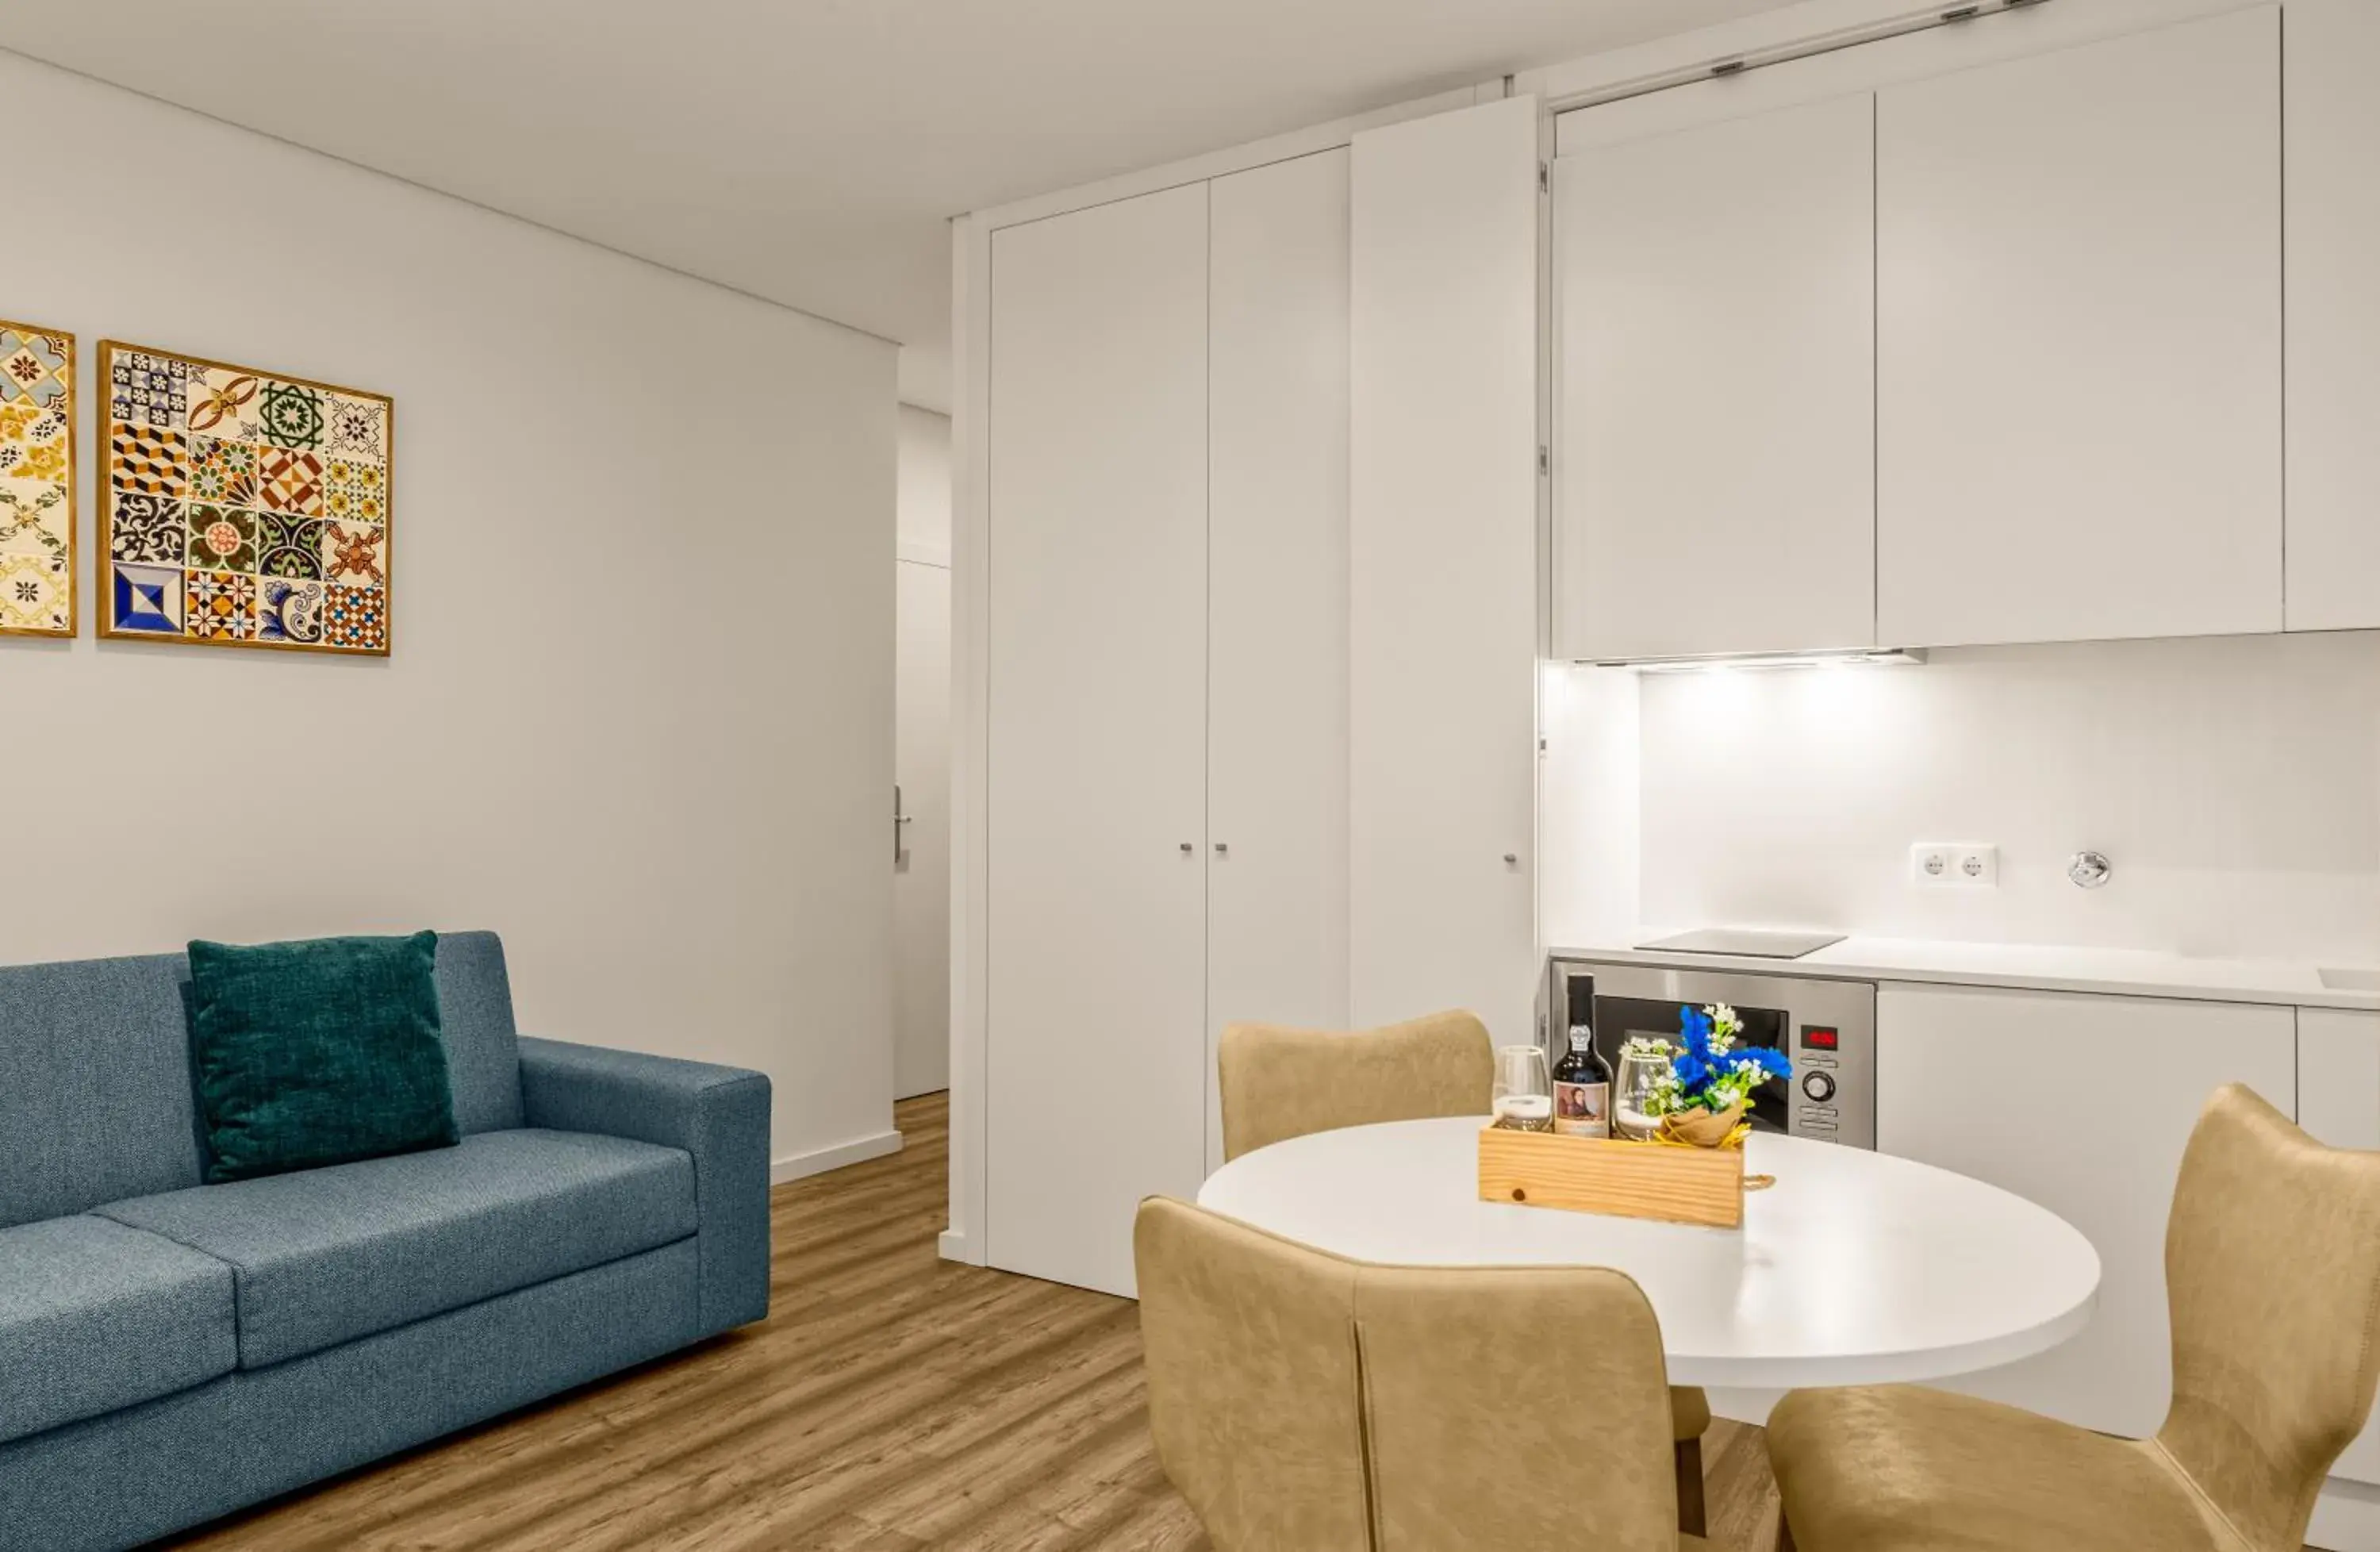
(1187, 848)
(1512, 859)
(1223, 849)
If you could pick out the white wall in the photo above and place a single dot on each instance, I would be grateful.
(2235, 783)
(925, 486)
(638, 719)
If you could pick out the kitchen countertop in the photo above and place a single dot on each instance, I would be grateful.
(2031, 966)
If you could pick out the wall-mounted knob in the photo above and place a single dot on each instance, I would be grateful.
(2089, 869)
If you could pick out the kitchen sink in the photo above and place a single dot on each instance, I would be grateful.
(2351, 981)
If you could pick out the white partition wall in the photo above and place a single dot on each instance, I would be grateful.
(1443, 547)
(1096, 748)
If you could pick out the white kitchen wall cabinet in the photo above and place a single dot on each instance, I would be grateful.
(1097, 750)
(1715, 456)
(2083, 1105)
(1443, 614)
(2333, 314)
(2338, 1103)
(2078, 342)
(1277, 568)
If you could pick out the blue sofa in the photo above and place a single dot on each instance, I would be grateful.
(172, 1351)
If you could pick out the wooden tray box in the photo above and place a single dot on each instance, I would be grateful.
(1622, 1179)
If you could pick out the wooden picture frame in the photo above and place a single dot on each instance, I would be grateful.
(239, 507)
(40, 582)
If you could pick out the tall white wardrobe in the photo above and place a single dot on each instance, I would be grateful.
(1186, 630)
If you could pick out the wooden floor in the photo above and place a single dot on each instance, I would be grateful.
(891, 1402)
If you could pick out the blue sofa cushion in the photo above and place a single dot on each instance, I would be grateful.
(324, 1257)
(95, 1316)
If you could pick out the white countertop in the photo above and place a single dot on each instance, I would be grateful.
(2036, 967)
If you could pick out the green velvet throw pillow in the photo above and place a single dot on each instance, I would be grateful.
(318, 1052)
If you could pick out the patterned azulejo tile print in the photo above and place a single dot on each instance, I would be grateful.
(33, 591)
(149, 390)
(357, 429)
(260, 515)
(289, 610)
(223, 470)
(356, 617)
(224, 402)
(37, 478)
(147, 529)
(222, 539)
(353, 491)
(219, 606)
(288, 546)
(147, 459)
(290, 482)
(34, 366)
(145, 598)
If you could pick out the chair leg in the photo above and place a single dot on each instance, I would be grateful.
(1689, 1457)
(1784, 1531)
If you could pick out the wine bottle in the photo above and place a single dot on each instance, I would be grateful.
(1583, 1088)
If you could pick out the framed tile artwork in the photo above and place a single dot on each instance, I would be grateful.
(37, 496)
(241, 508)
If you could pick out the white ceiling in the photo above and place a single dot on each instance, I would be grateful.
(807, 150)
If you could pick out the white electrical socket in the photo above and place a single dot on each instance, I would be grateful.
(1961, 865)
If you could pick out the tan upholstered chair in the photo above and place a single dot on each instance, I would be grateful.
(1304, 1403)
(2272, 1264)
(1278, 1082)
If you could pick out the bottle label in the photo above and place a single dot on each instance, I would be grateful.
(1583, 1109)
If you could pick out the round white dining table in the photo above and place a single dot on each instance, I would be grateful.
(1854, 1268)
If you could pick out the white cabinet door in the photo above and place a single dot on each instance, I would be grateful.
(1277, 602)
(2078, 342)
(1443, 557)
(2083, 1105)
(1715, 466)
(1097, 755)
(2334, 316)
(2338, 1103)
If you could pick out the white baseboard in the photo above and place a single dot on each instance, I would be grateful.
(817, 1161)
(2346, 1518)
(955, 1247)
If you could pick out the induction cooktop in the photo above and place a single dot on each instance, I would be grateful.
(1747, 942)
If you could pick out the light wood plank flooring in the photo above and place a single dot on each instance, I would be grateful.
(891, 1402)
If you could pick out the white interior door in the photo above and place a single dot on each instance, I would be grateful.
(1277, 597)
(2078, 342)
(921, 868)
(1716, 458)
(1097, 754)
(1442, 601)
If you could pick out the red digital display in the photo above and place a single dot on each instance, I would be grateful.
(1818, 1037)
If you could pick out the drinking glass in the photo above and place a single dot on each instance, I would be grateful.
(1641, 1062)
(1524, 1094)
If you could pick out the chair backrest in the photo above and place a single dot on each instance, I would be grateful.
(1252, 1383)
(1306, 1403)
(96, 1098)
(2273, 1274)
(1278, 1082)
(1516, 1407)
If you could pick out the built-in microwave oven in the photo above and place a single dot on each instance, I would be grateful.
(1827, 1028)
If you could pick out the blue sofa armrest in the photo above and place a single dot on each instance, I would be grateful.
(718, 1114)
